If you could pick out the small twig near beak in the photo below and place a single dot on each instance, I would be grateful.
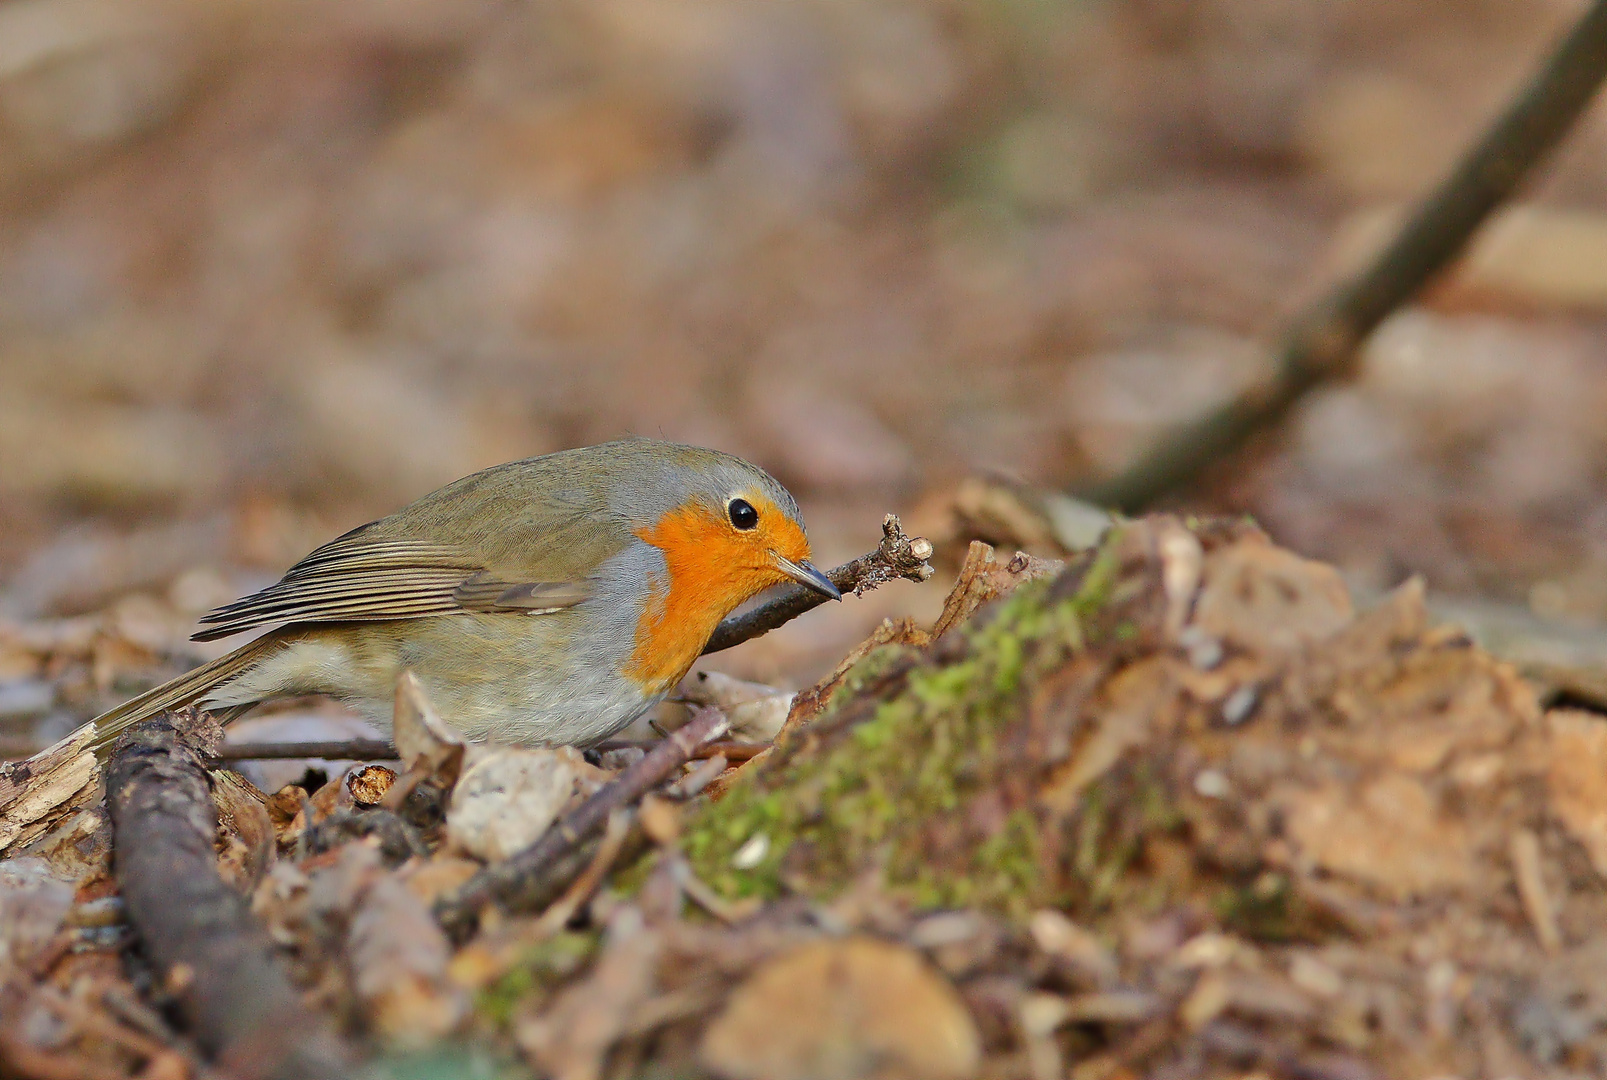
(898, 556)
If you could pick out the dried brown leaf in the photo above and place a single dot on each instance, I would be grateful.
(854, 1008)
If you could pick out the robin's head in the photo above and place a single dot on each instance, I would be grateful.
(727, 529)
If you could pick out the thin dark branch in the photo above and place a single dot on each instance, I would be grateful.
(330, 749)
(522, 882)
(1322, 343)
(196, 930)
(380, 750)
(897, 556)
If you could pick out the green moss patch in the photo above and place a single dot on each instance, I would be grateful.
(924, 786)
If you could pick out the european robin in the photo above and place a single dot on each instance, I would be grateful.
(545, 601)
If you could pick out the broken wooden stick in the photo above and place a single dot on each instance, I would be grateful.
(197, 932)
(523, 883)
(328, 749)
(897, 556)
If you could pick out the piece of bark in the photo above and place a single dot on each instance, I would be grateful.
(40, 791)
(827, 1008)
(196, 930)
(756, 711)
(245, 839)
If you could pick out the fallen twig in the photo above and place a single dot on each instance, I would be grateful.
(380, 750)
(557, 916)
(329, 749)
(196, 930)
(522, 883)
(1321, 345)
(897, 556)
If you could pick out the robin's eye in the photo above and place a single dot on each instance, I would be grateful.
(743, 515)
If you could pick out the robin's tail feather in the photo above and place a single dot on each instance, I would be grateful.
(184, 690)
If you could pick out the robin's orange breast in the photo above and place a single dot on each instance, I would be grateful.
(711, 570)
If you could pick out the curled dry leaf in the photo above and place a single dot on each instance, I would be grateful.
(756, 711)
(1182, 564)
(855, 1009)
(33, 903)
(317, 807)
(1576, 778)
(360, 931)
(291, 811)
(431, 879)
(1065, 941)
(1269, 600)
(399, 959)
(284, 813)
(427, 745)
(1391, 833)
(571, 1039)
(661, 819)
(508, 797)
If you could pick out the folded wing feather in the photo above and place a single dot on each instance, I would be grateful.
(358, 579)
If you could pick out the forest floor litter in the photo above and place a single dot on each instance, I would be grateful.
(1168, 807)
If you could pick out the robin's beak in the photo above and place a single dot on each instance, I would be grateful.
(806, 574)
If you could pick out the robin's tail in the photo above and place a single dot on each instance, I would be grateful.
(184, 690)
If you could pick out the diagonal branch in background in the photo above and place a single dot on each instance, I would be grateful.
(1322, 343)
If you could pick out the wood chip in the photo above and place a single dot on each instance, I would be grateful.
(1526, 868)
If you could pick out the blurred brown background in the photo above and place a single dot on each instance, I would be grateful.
(269, 269)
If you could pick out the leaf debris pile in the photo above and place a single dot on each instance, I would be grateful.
(1170, 808)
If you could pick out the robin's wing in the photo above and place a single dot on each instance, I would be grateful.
(487, 592)
(367, 576)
